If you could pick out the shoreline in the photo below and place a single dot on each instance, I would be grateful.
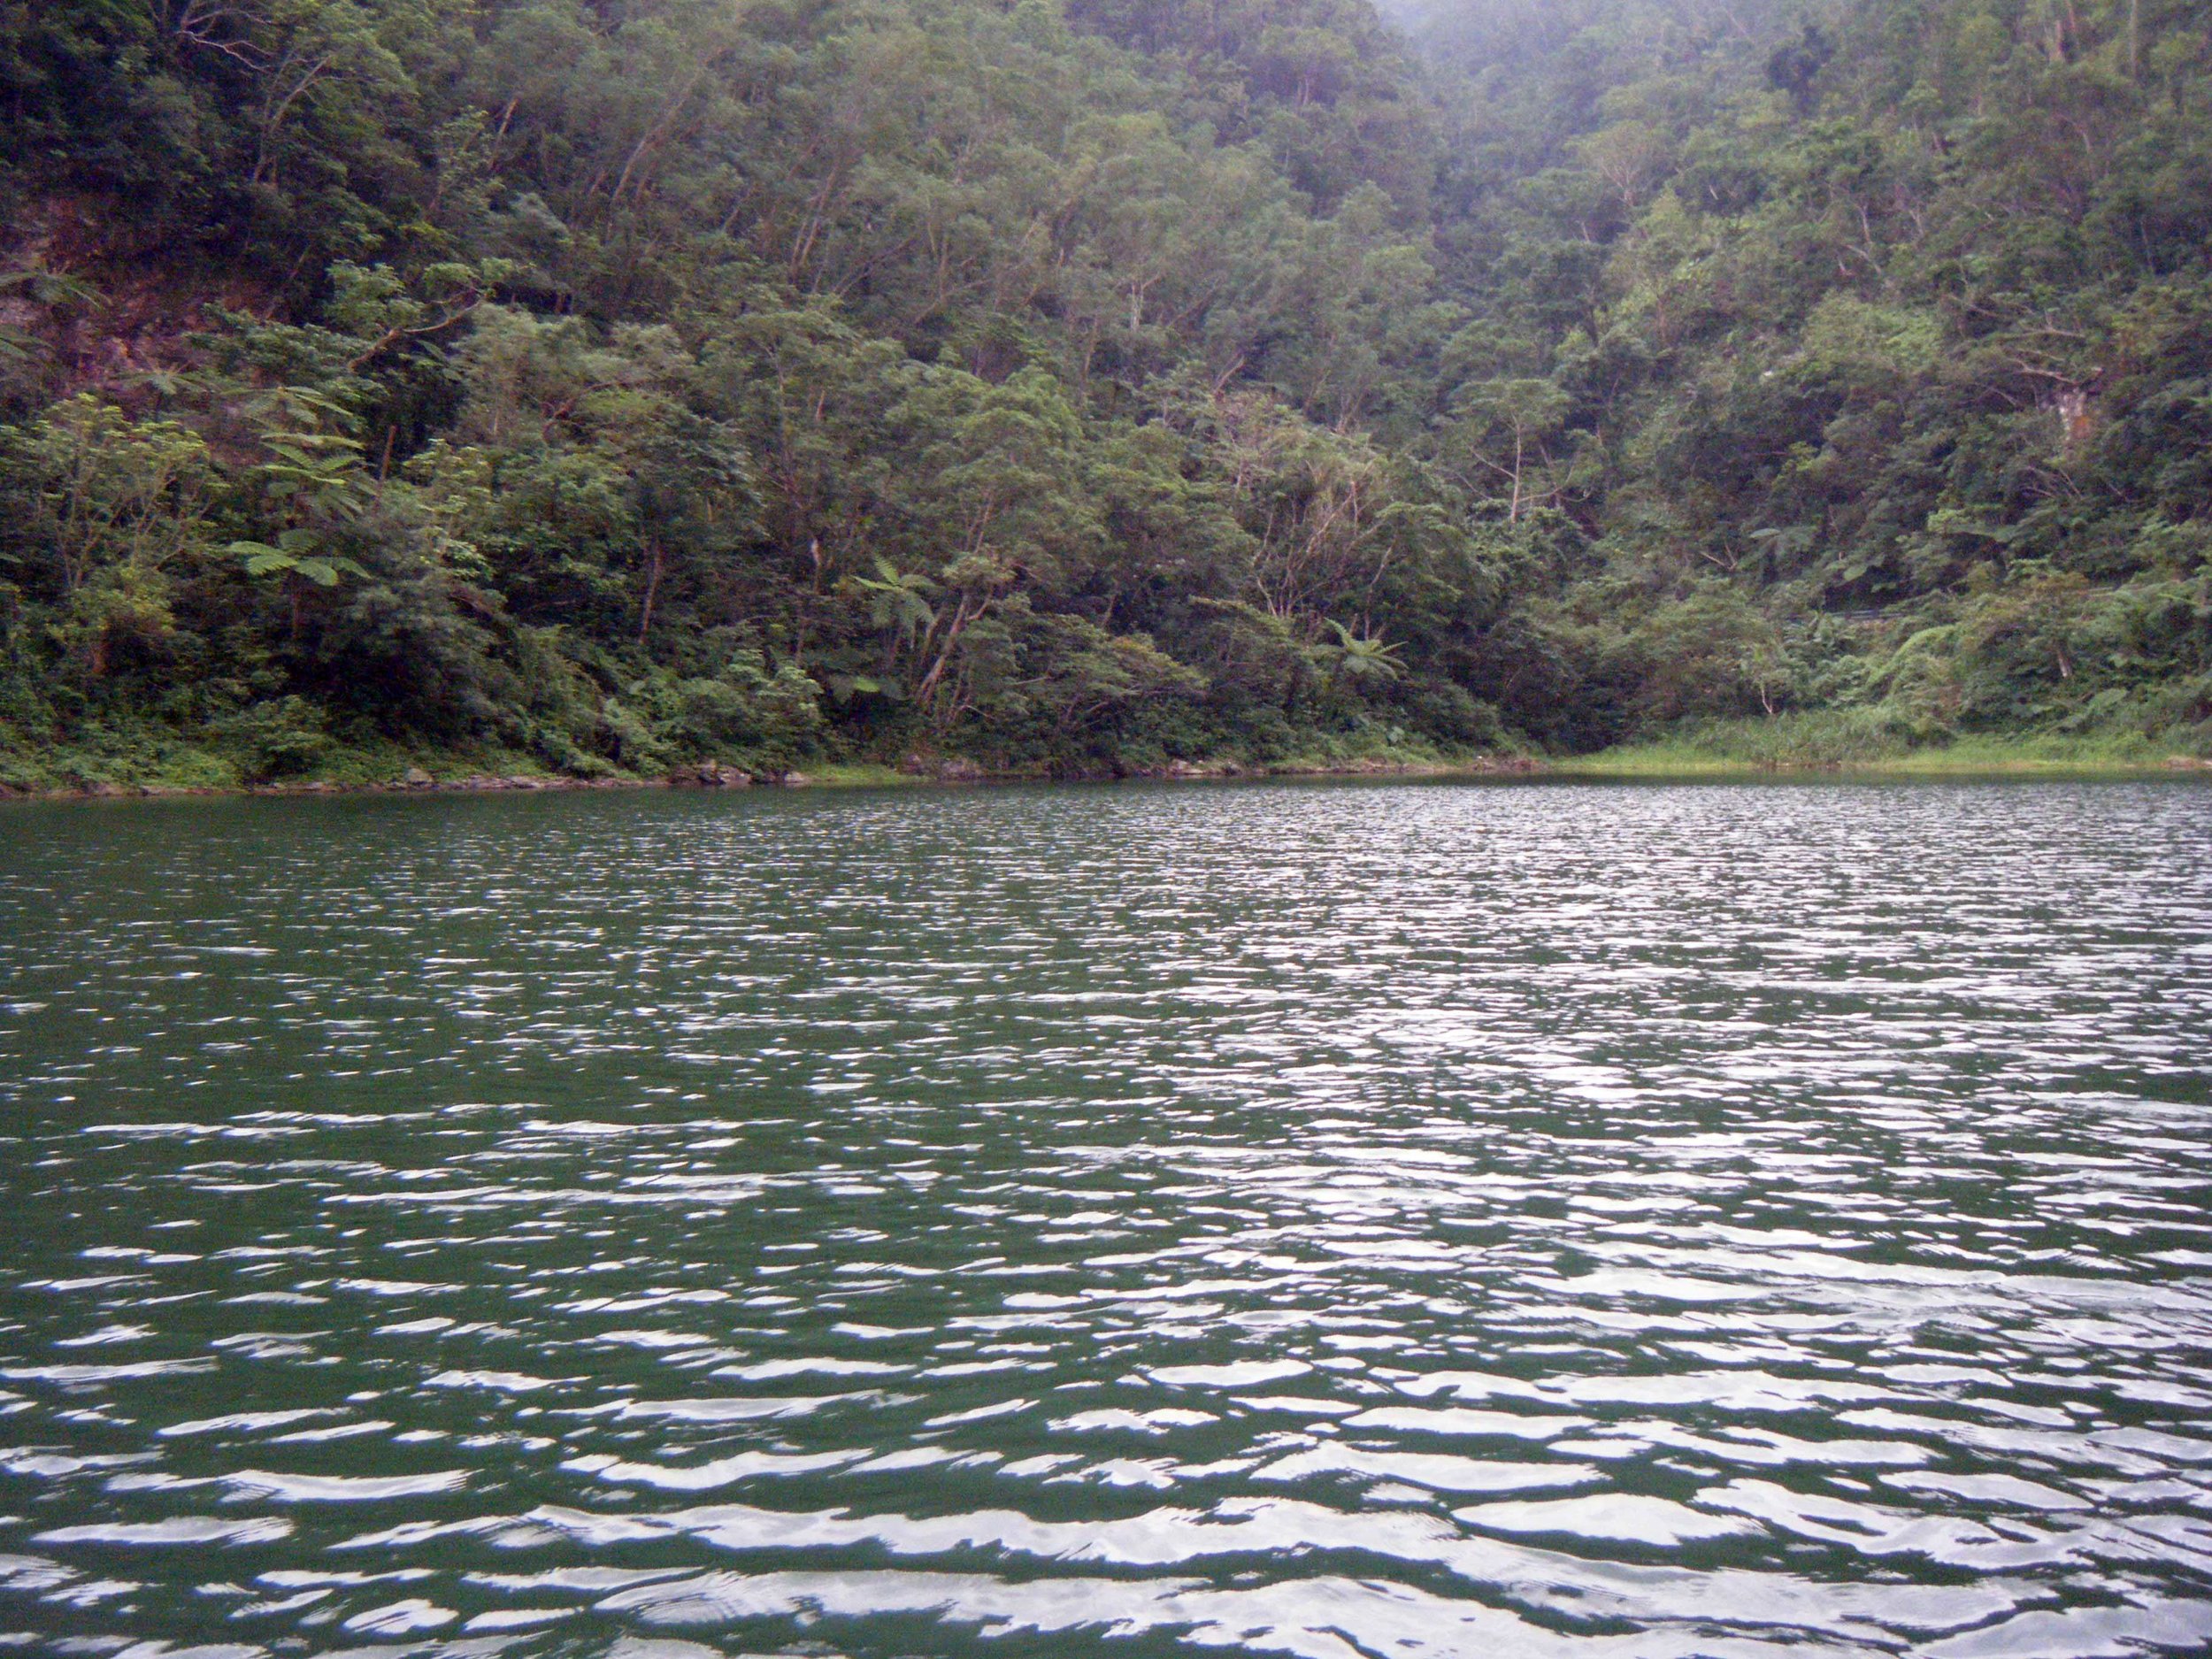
(1606, 767)
(713, 775)
(1932, 768)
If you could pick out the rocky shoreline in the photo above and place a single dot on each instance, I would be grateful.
(950, 770)
(955, 770)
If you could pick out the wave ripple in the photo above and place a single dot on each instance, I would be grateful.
(1325, 1221)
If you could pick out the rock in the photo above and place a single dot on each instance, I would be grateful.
(944, 768)
(416, 778)
(1199, 769)
(103, 790)
(716, 774)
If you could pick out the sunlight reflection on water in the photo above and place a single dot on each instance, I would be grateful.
(1311, 1220)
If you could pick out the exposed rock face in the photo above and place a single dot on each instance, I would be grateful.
(714, 774)
(944, 768)
(417, 779)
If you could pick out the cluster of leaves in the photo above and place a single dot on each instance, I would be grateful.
(1867, 343)
(633, 382)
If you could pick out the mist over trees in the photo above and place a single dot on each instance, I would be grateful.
(615, 384)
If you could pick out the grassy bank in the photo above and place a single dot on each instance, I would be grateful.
(1851, 741)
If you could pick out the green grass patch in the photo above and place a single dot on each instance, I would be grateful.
(858, 774)
(1863, 740)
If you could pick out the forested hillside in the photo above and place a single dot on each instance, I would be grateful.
(611, 385)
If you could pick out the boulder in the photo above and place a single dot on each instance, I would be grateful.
(416, 778)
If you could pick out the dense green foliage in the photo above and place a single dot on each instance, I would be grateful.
(619, 383)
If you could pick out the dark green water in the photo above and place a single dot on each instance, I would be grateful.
(1291, 1220)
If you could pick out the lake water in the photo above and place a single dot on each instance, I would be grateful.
(1322, 1220)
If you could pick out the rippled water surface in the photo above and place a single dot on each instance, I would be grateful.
(1313, 1220)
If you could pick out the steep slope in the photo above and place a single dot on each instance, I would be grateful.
(617, 384)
